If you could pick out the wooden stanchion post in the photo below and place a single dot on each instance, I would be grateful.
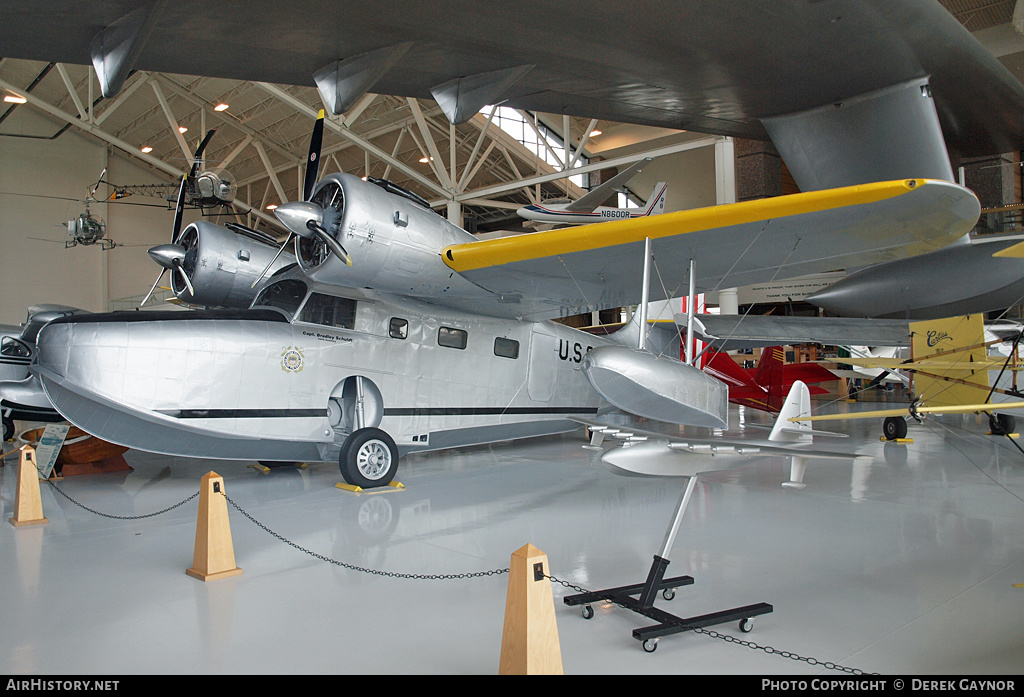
(529, 643)
(28, 506)
(214, 555)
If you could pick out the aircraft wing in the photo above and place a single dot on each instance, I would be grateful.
(746, 331)
(596, 196)
(713, 68)
(574, 270)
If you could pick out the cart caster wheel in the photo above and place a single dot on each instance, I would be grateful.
(668, 593)
(650, 645)
(588, 612)
(746, 624)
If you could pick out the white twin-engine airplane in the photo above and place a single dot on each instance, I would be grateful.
(586, 209)
(396, 331)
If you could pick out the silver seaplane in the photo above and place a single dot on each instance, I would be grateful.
(396, 331)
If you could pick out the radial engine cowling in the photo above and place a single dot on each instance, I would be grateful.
(222, 265)
(394, 242)
(656, 387)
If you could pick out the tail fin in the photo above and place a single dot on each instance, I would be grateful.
(769, 375)
(656, 203)
(955, 342)
(798, 403)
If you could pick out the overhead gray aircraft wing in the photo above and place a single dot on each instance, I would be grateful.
(717, 68)
(596, 196)
(745, 331)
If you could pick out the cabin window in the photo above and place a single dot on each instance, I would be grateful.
(452, 338)
(398, 328)
(285, 295)
(13, 347)
(329, 311)
(506, 348)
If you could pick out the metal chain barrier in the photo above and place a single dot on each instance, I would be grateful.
(448, 577)
(376, 572)
(107, 515)
(733, 640)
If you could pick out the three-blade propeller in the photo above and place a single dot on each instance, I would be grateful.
(303, 218)
(170, 256)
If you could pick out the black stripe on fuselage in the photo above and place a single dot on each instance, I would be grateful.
(409, 411)
(485, 411)
(242, 413)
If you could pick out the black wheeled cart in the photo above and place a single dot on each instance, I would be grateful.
(640, 597)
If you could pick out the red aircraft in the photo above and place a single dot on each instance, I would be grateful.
(766, 386)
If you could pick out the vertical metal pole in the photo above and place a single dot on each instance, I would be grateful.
(691, 303)
(677, 519)
(645, 295)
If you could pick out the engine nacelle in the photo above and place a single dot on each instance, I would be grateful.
(394, 242)
(222, 265)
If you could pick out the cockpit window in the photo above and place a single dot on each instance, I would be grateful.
(285, 295)
(329, 311)
(14, 348)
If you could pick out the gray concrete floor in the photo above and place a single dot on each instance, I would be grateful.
(906, 564)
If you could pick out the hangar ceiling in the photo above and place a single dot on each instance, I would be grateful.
(262, 137)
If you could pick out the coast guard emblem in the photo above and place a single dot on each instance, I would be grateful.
(291, 359)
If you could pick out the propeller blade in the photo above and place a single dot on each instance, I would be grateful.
(331, 243)
(264, 273)
(313, 160)
(179, 208)
(184, 277)
(155, 283)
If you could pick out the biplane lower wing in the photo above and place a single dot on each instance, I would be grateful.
(569, 271)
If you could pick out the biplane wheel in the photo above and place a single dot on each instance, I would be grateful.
(894, 427)
(8, 428)
(369, 458)
(999, 424)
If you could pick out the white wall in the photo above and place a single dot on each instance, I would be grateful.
(33, 174)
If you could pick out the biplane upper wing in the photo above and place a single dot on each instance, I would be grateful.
(569, 271)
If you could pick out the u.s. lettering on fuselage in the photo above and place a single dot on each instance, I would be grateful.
(573, 352)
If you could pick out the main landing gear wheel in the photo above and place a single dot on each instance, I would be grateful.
(369, 458)
(999, 424)
(894, 427)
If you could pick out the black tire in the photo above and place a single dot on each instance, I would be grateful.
(1001, 424)
(8, 428)
(894, 427)
(369, 458)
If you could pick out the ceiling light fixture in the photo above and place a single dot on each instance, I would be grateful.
(595, 132)
(272, 206)
(147, 148)
(221, 107)
(182, 129)
(426, 159)
(12, 98)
